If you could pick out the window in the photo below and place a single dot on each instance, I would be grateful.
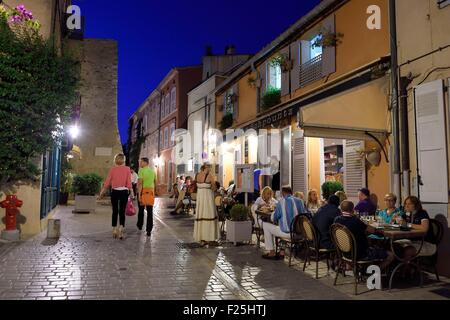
(173, 99)
(145, 125)
(161, 140)
(229, 96)
(166, 137)
(172, 132)
(167, 104)
(274, 76)
(315, 51)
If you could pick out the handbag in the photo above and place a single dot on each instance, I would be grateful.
(130, 209)
(147, 197)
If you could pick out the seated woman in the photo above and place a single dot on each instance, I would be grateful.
(265, 201)
(314, 203)
(419, 220)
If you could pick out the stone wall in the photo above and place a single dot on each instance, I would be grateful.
(99, 135)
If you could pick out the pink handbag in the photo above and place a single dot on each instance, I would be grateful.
(130, 210)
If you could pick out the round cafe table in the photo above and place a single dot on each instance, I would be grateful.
(394, 234)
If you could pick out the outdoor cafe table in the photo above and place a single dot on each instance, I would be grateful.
(395, 234)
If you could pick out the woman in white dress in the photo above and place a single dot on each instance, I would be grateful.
(206, 225)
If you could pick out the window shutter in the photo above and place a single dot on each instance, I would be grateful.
(295, 72)
(285, 75)
(329, 53)
(262, 70)
(236, 101)
(305, 47)
(300, 171)
(431, 142)
(354, 169)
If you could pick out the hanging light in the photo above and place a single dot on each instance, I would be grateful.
(74, 131)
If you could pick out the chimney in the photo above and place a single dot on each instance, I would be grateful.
(230, 50)
(208, 51)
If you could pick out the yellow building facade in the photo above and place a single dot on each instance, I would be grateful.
(331, 74)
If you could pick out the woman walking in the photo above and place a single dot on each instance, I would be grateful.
(119, 178)
(206, 226)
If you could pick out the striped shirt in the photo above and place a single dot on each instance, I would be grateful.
(285, 212)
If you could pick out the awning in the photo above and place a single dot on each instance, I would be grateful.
(350, 114)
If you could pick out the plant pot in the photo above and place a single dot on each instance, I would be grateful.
(63, 198)
(85, 204)
(239, 231)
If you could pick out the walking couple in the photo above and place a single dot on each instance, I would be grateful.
(119, 178)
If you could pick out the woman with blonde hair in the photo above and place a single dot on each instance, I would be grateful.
(265, 201)
(342, 196)
(313, 204)
(119, 178)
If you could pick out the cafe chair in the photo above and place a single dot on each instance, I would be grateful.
(345, 244)
(295, 239)
(438, 232)
(309, 234)
(191, 204)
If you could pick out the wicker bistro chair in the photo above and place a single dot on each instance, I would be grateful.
(438, 233)
(191, 205)
(346, 248)
(296, 238)
(309, 233)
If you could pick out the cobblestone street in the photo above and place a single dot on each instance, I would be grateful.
(86, 263)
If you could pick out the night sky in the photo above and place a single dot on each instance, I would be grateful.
(155, 36)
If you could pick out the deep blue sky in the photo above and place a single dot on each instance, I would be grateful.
(156, 35)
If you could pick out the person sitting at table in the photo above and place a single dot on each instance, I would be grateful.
(365, 205)
(300, 195)
(420, 221)
(342, 196)
(285, 212)
(323, 220)
(183, 197)
(313, 204)
(265, 202)
(391, 214)
(359, 230)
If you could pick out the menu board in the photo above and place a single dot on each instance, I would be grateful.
(244, 178)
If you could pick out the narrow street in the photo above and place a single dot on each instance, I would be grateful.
(86, 263)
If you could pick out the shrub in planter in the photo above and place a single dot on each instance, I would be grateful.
(227, 121)
(331, 187)
(85, 187)
(271, 98)
(239, 227)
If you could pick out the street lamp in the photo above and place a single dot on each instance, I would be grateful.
(74, 131)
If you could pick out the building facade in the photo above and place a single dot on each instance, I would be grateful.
(321, 93)
(424, 81)
(164, 112)
(41, 197)
(202, 108)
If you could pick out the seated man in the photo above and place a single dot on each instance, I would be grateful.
(365, 205)
(183, 197)
(323, 220)
(284, 214)
(359, 230)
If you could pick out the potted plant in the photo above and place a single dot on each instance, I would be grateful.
(272, 97)
(85, 187)
(283, 62)
(239, 227)
(227, 121)
(331, 187)
(328, 39)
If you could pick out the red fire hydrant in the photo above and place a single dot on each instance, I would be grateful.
(11, 203)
